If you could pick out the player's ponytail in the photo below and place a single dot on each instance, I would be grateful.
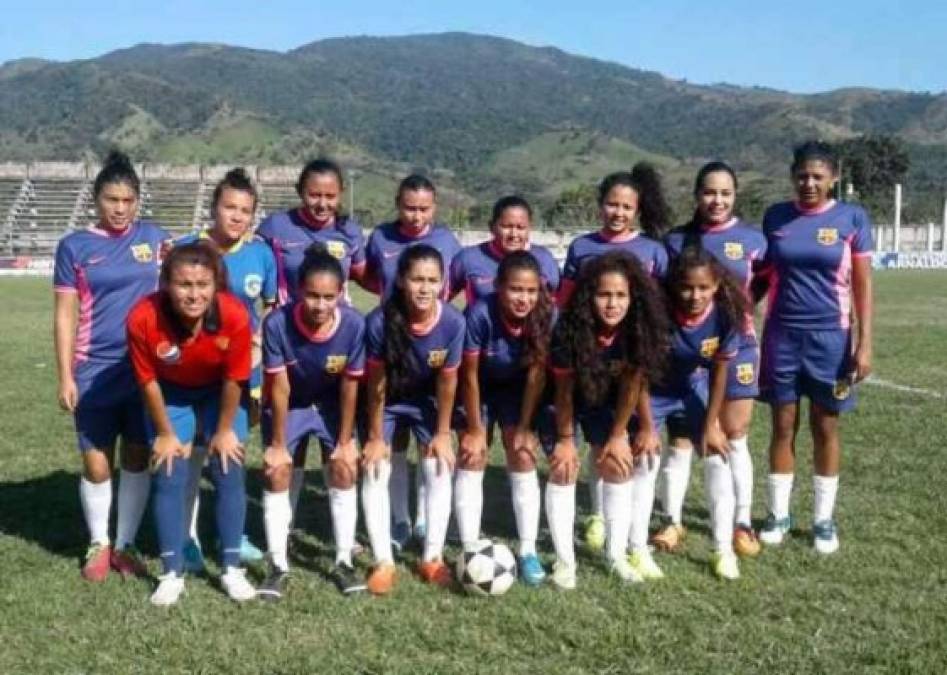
(116, 168)
(654, 214)
(318, 260)
(538, 322)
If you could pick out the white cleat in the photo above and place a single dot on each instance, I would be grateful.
(563, 575)
(170, 588)
(235, 584)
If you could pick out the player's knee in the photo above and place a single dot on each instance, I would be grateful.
(468, 463)
(135, 457)
(96, 467)
(561, 476)
(279, 478)
(342, 474)
(520, 461)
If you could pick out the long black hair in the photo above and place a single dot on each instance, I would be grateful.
(116, 168)
(692, 227)
(730, 297)
(536, 330)
(203, 254)
(654, 214)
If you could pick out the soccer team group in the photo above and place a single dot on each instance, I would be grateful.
(177, 348)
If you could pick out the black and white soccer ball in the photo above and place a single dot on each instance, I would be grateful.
(487, 568)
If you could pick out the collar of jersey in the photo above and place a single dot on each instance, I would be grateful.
(409, 235)
(308, 332)
(421, 331)
(496, 251)
(618, 238)
(707, 227)
(814, 212)
(205, 234)
(110, 233)
(690, 321)
(309, 222)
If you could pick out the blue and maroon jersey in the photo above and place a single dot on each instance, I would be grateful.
(809, 263)
(474, 270)
(313, 363)
(110, 272)
(290, 233)
(695, 344)
(386, 243)
(650, 253)
(251, 272)
(435, 348)
(562, 363)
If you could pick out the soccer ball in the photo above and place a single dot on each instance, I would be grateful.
(487, 568)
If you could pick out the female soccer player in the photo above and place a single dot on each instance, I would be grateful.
(251, 277)
(414, 343)
(610, 340)
(190, 347)
(474, 269)
(819, 265)
(740, 248)
(504, 366)
(709, 309)
(314, 355)
(416, 201)
(100, 273)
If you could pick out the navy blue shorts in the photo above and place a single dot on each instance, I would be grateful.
(743, 373)
(109, 406)
(323, 423)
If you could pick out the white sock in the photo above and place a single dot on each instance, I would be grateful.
(421, 489)
(277, 515)
(192, 492)
(779, 486)
(616, 503)
(398, 488)
(643, 478)
(377, 508)
(524, 489)
(596, 486)
(344, 506)
(824, 490)
(718, 484)
(134, 488)
(96, 499)
(741, 465)
(295, 489)
(468, 504)
(438, 496)
(560, 514)
(676, 474)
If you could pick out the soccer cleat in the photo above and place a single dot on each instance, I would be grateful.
(382, 579)
(775, 529)
(825, 537)
(724, 565)
(273, 586)
(595, 532)
(641, 561)
(745, 542)
(249, 554)
(400, 536)
(531, 570)
(170, 587)
(97, 562)
(669, 538)
(346, 579)
(436, 572)
(624, 571)
(129, 563)
(193, 557)
(563, 575)
(235, 584)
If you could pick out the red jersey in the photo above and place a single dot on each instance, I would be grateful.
(202, 360)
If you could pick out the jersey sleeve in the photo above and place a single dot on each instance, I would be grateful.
(237, 364)
(274, 354)
(374, 338)
(270, 281)
(355, 364)
(358, 245)
(659, 268)
(455, 278)
(570, 269)
(139, 352)
(730, 343)
(64, 270)
(550, 271)
(455, 344)
(862, 244)
(560, 357)
(477, 332)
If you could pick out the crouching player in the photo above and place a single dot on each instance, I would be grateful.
(190, 348)
(504, 375)
(313, 353)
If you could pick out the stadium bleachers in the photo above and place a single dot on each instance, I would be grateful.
(45, 210)
(177, 205)
(275, 197)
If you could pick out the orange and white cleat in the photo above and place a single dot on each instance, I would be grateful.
(669, 538)
(745, 542)
(436, 572)
(382, 579)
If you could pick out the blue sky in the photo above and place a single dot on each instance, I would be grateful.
(801, 47)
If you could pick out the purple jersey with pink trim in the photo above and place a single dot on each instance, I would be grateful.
(439, 348)
(289, 235)
(809, 260)
(738, 246)
(474, 270)
(695, 345)
(110, 273)
(315, 365)
(386, 243)
(650, 253)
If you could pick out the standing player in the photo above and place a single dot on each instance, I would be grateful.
(740, 248)
(474, 269)
(100, 273)
(251, 277)
(414, 344)
(819, 269)
(504, 375)
(416, 202)
(190, 347)
(610, 340)
(314, 354)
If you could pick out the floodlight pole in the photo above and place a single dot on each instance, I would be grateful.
(897, 217)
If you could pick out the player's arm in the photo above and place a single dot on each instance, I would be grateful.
(532, 393)
(473, 441)
(445, 393)
(617, 447)
(564, 461)
(646, 441)
(864, 309)
(166, 445)
(714, 441)
(66, 306)
(375, 448)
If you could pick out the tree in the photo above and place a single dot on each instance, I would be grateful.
(874, 164)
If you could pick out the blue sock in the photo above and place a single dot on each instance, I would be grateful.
(167, 501)
(230, 509)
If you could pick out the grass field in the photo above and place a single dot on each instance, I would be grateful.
(879, 605)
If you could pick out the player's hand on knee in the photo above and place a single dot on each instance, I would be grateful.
(373, 452)
(714, 442)
(163, 451)
(226, 444)
(616, 454)
(646, 442)
(343, 464)
(564, 462)
(473, 448)
(274, 458)
(442, 448)
(525, 443)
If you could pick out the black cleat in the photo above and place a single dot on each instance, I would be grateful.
(346, 579)
(273, 586)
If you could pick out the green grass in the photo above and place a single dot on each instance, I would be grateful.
(880, 605)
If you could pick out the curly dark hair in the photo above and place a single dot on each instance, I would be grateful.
(730, 296)
(538, 323)
(654, 213)
(643, 334)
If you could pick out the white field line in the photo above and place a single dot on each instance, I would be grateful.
(878, 382)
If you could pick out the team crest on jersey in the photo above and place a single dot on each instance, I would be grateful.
(745, 373)
(709, 347)
(168, 353)
(336, 249)
(222, 342)
(841, 390)
(733, 250)
(436, 357)
(143, 253)
(335, 363)
(827, 236)
(252, 285)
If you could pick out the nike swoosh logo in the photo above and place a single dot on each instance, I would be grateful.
(96, 260)
(389, 254)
